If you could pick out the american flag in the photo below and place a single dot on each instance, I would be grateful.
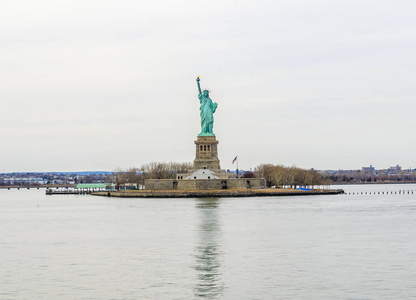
(234, 159)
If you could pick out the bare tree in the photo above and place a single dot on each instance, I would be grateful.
(248, 174)
(278, 175)
(153, 170)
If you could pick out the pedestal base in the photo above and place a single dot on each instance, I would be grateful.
(206, 153)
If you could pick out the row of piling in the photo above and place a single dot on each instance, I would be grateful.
(400, 192)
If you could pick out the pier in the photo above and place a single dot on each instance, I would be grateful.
(68, 192)
(40, 186)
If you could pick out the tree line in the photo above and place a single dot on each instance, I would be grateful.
(278, 175)
(275, 175)
(153, 170)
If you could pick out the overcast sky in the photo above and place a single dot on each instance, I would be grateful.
(96, 85)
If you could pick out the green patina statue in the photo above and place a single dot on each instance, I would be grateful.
(207, 109)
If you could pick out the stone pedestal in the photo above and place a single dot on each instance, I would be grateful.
(206, 153)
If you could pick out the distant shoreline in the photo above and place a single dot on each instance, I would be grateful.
(38, 186)
(362, 183)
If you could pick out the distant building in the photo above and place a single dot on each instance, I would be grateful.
(395, 169)
(95, 186)
(369, 169)
(24, 180)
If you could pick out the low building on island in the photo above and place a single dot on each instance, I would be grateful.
(205, 179)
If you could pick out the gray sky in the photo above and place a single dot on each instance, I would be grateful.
(95, 85)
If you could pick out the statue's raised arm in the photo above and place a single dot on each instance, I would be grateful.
(199, 87)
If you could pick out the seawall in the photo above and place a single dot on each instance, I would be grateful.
(214, 193)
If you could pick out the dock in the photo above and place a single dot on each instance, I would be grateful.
(67, 192)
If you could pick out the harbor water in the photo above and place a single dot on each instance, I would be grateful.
(352, 246)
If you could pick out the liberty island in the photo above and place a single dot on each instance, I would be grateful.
(206, 178)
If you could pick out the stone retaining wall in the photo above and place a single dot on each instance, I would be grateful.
(205, 184)
(215, 193)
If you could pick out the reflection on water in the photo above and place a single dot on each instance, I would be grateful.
(208, 255)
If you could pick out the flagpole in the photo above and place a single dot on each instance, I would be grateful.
(237, 166)
(236, 159)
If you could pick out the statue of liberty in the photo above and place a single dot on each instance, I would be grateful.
(207, 110)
